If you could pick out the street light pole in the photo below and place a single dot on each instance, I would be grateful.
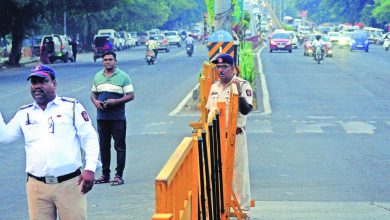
(223, 17)
(65, 23)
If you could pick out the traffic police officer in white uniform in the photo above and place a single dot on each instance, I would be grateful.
(56, 130)
(220, 91)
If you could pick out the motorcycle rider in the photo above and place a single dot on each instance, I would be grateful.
(318, 42)
(152, 44)
(190, 41)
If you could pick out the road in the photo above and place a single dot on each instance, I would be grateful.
(319, 150)
(322, 152)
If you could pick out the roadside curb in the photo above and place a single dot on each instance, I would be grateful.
(22, 64)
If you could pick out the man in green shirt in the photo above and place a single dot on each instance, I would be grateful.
(111, 89)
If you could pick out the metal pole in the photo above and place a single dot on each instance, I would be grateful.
(213, 157)
(201, 174)
(65, 23)
(206, 166)
(223, 15)
(219, 156)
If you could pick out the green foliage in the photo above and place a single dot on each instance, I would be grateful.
(247, 62)
(382, 11)
(210, 10)
(236, 14)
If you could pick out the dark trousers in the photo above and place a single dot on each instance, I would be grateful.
(116, 130)
(155, 52)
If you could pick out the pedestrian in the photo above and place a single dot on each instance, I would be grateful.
(44, 52)
(74, 49)
(56, 130)
(220, 91)
(111, 89)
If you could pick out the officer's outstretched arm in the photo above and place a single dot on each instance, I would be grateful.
(243, 106)
(9, 132)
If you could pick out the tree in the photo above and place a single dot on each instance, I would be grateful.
(16, 17)
(382, 11)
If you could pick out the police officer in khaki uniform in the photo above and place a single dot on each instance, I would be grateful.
(220, 91)
(56, 130)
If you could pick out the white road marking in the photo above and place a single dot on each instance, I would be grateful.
(264, 88)
(183, 102)
(357, 127)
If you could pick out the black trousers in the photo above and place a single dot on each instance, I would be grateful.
(116, 130)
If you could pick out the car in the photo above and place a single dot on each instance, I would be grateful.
(308, 49)
(143, 38)
(60, 50)
(173, 38)
(162, 41)
(196, 34)
(36, 45)
(360, 41)
(294, 39)
(334, 37)
(116, 39)
(280, 41)
(345, 39)
(135, 36)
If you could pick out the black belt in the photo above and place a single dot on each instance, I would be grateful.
(53, 179)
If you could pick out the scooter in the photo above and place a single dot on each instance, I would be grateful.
(150, 57)
(190, 49)
(386, 44)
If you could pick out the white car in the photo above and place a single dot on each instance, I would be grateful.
(173, 38)
(334, 37)
(345, 39)
(294, 39)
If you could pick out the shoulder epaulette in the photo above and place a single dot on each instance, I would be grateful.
(25, 106)
(67, 99)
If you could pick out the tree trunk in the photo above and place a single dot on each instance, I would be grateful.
(17, 39)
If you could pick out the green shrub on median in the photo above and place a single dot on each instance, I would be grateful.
(247, 62)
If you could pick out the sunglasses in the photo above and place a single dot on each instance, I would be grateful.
(51, 125)
(223, 67)
(109, 59)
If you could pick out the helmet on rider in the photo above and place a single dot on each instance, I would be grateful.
(318, 37)
(151, 38)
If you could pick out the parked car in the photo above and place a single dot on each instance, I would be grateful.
(59, 49)
(162, 41)
(308, 49)
(173, 38)
(143, 38)
(101, 44)
(360, 41)
(125, 41)
(280, 41)
(135, 36)
(114, 36)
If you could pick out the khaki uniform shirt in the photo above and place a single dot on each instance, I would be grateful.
(218, 94)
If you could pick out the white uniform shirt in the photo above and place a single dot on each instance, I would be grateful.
(218, 94)
(54, 137)
(189, 40)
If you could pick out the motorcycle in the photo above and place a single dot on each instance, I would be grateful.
(318, 54)
(386, 44)
(150, 57)
(190, 49)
